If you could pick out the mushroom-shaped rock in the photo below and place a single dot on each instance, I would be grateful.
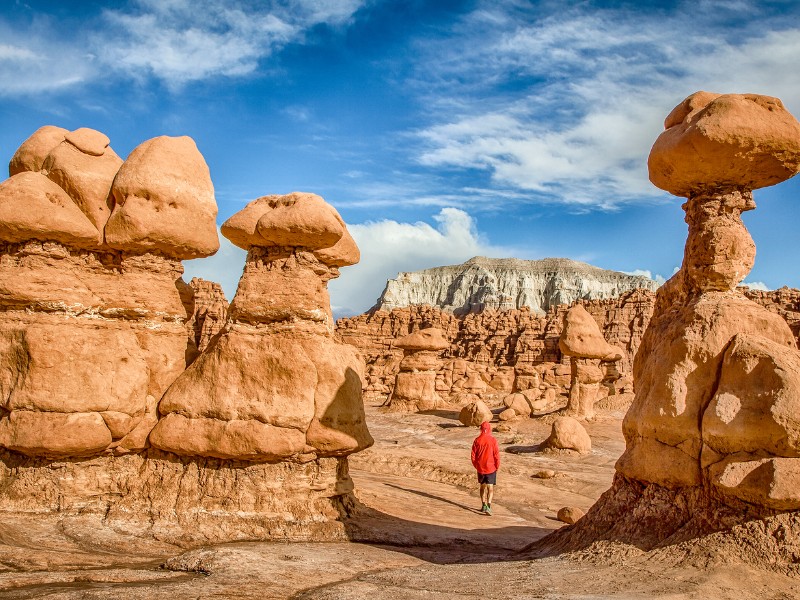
(415, 384)
(34, 208)
(581, 337)
(424, 339)
(728, 141)
(85, 168)
(164, 201)
(296, 220)
(31, 154)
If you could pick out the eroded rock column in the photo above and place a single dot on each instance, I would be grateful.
(415, 384)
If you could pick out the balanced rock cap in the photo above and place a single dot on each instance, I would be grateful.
(34, 208)
(85, 176)
(298, 220)
(725, 142)
(582, 338)
(31, 154)
(89, 141)
(164, 201)
(424, 339)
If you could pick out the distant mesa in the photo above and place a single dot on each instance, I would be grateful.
(507, 283)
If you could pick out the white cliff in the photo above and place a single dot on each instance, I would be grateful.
(506, 283)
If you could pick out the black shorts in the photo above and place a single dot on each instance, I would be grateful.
(490, 478)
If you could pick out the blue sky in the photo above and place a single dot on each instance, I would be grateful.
(440, 130)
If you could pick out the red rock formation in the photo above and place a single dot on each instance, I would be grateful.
(209, 309)
(713, 435)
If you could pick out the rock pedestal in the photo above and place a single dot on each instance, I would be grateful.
(91, 331)
(713, 435)
(582, 340)
(415, 385)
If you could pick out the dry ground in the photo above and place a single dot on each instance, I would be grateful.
(418, 533)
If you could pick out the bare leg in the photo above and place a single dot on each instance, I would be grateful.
(489, 493)
(485, 493)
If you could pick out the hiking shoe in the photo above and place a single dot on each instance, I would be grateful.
(488, 510)
(484, 507)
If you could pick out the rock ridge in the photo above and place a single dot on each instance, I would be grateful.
(483, 283)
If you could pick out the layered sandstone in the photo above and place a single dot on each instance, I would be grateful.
(91, 333)
(713, 426)
(583, 342)
(274, 385)
(506, 350)
(502, 284)
(415, 385)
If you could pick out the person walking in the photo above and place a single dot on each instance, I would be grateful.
(486, 460)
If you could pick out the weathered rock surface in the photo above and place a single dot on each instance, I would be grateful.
(209, 309)
(475, 413)
(164, 201)
(583, 342)
(90, 337)
(274, 385)
(712, 434)
(415, 385)
(725, 141)
(502, 284)
(569, 434)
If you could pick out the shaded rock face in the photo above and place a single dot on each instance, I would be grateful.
(208, 306)
(502, 284)
(717, 374)
(91, 333)
(274, 385)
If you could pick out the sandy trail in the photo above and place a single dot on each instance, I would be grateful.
(418, 530)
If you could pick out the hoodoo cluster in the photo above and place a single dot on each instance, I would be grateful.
(99, 355)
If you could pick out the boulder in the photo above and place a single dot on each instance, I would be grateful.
(568, 434)
(31, 154)
(569, 514)
(725, 142)
(475, 413)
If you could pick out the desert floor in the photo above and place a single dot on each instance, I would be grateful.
(418, 534)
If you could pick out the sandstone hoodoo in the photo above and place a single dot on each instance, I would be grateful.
(97, 329)
(713, 438)
(275, 384)
(91, 332)
(415, 386)
(583, 342)
(502, 284)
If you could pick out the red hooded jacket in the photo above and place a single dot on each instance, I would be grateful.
(485, 452)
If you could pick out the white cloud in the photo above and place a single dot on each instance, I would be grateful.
(176, 41)
(32, 62)
(225, 267)
(756, 285)
(389, 247)
(567, 106)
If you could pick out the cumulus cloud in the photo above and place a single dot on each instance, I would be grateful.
(389, 247)
(566, 106)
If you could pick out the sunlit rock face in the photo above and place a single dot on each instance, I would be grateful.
(275, 384)
(502, 284)
(92, 326)
(717, 374)
(98, 412)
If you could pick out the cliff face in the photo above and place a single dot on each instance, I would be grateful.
(502, 284)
